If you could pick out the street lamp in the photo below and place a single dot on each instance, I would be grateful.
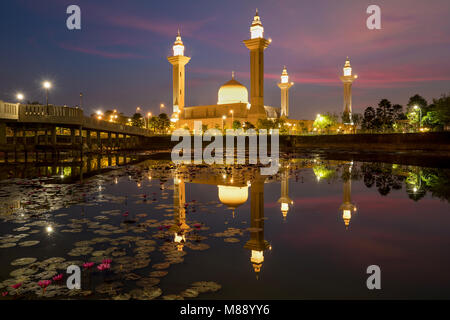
(420, 115)
(138, 109)
(232, 117)
(223, 119)
(20, 96)
(148, 119)
(161, 106)
(47, 85)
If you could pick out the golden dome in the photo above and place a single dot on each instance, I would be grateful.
(233, 197)
(232, 92)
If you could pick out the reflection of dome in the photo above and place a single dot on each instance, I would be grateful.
(232, 92)
(233, 197)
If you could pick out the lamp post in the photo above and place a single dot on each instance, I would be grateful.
(148, 120)
(420, 115)
(223, 120)
(47, 85)
(161, 107)
(232, 118)
(20, 97)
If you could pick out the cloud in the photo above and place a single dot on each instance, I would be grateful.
(101, 53)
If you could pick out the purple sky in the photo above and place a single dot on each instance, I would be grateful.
(118, 59)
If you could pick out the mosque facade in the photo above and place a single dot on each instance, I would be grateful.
(234, 103)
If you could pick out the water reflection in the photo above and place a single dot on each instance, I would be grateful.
(186, 208)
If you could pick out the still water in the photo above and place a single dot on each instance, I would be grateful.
(224, 232)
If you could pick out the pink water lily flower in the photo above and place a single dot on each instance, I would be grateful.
(17, 285)
(103, 266)
(88, 265)
(106, 261)
(58, 277)
(126, 214)
(4, 293)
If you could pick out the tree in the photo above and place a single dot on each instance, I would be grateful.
(163, 123)
(325, 122)
(204, 127)
(248, 125)
(417, 100)
(153, 123)
(368, 121)
(236, 124)
(357, 120)
(385, 115)
(137, 120)
(442, 108)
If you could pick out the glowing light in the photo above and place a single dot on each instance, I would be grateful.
(257, 257)
(346, 215)
(249, 106)
(49, 229)
(47, 85)
(256, 30)
(284, 206)
(20, 96)
(178, 47)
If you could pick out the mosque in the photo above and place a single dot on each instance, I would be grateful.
(234, 103)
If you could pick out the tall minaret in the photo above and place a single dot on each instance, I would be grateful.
(178, 60)
(257, 244)
(347, 207)
(284, 86)
(256, 44)
(284, 199)
(348, 79)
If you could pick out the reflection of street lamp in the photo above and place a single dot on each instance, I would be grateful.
(420, 115)
(47, 85)
(223, 120)
(232, 117)
(149, 114)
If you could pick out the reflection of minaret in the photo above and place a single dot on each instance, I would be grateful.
(180, 227)
(257, 44)
(284, 85)
(347, 78)
(347, 206)
(178, 60)
(284, 199)
(257, 244)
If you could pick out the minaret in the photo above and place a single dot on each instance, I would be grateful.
(348, 79)
(284, 199)
(284, 85)
(347, 206)
(257, 244)
(178, 60)
(256, 44)
(179, 212)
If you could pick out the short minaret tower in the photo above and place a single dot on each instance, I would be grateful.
(348, 79)
(284, 85)
(178, 60)
(347, 207)
(284, 200)
(257, 44)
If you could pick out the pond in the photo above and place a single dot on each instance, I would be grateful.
(165, 231)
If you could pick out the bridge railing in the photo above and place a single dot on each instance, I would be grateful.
(9, 111)
(50, 114)
(101, 125)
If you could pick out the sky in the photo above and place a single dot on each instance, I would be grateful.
(118, 58)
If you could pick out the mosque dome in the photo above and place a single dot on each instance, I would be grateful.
(233, 197)
(232, 92)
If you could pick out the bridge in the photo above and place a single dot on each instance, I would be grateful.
(28, 128)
